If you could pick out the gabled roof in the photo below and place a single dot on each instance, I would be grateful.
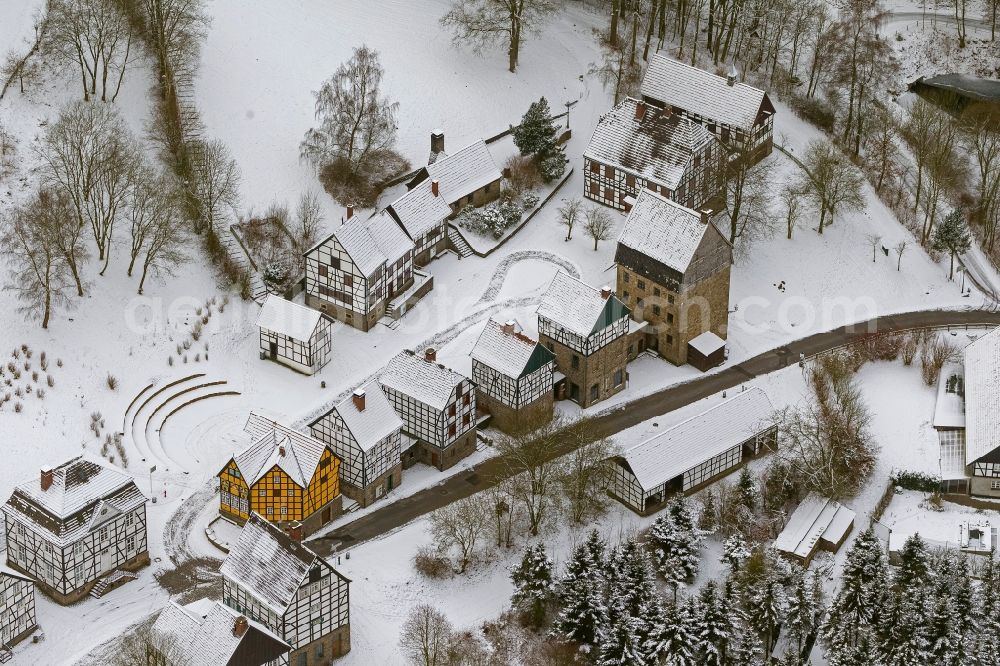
(982, 396)
(370, 243)
(295, 453)
(660, 147)
(286, 318)
(201, 634)
(10, 573)
(463, 172)
(578, 307)
(949, 408)
(816, 518)
(375, 423)
(699, 438)
(391, 240)
(420, 210)
(700, 92)
(85, 493)
(429, 382)
(511, 354)
(663, 230)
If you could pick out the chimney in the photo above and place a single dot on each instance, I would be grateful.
(240, 626)
(605, 292)
(350, 211)
(640, 111)
(295, 531)
(430, 355)
(359, 400)
(46, 478)
(731, 76)
(434, 187)
(508, 327)
(437, 141)
(706, 215)
(281, 451)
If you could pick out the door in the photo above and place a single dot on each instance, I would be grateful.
(327, 515)
(273, 350)
(574, 392)
(388, 483)
(107, 559)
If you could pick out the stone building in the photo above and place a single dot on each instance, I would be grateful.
(17, 610)
(513, 377)
(293, 335)
(739, 115)
(284, 475)
(76, 526)
(468, 177)
(272, 579)
(364, 432)
(587, 331)
(673, 268)
(638, 147)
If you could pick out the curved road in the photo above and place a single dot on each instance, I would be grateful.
(483, 475)
(931, 17)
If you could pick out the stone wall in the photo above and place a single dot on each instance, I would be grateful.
(598, 368)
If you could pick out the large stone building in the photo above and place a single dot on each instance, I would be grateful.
(364, 431)
(17, 610)
(513, 376)
(273, 579)
(741, 116)
(284, 475)
(587, 331)
(673, 271)
(75, 525)
(637, 147)
(293, 335)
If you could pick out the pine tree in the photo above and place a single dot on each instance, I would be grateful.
(672, 640)
(597, 546)
(735, 551)
(675, 543)
(768, 605)
(905, 631)
(620, 644)
(942, 634)
(708, 518)
(538, 133)
(747, 489)
(580, 598)
(952, 236)
(713, 627)
(804, 610)
(748, 651)
(534, 585)
(860, 600)
(914, 564)
(986, 618)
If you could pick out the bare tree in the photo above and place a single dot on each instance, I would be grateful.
(461, 525)
(216, 183)
(145, 647)
(96, 37)
(308, 220)
(618, 69)
(163, 245)
(175, 29)
(482, 23)
(881, 149)
(504, 511)
(981, 131)
(426, 637)
(586, 473)
(830, 180)
(900, 248)
(529, 457)
(791, 198)
(749, 202)
(598, 224)
(873, 240)
(569, 214)
(8, 152)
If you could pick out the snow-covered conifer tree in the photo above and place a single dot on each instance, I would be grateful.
(581, 601)
(533, 582)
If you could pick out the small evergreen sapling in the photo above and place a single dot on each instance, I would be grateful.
(952, 236)
(538, 133)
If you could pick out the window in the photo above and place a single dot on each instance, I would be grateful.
(670, 339)
(656, 291)
(130, 544)
(656, 310)
(625, 278)
(641, 284)
(323, 270)
(262, 492)
(290, 492)
(576, 362)
(284, 510)
(594, 391)
(625, 295)
(995, 484)
(335, 262)
(670, 298)
(270, 510)
(619, 377)
(670, 318)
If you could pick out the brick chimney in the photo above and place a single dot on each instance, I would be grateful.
(437, 141)
(430, 355)
(706, 215)
(640, 111)
(240, 626)
(359, 400)
(350, 211)
(605, 292)
(434, 187)
(295, 531)
(46, 478)
(731, 76)
(508, 327)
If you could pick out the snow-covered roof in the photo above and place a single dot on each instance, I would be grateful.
(949, 409)
(814, 519)
(512, 354)
(426, 381)
(371, 243)
(465, 171)
(85, 492)
(660, 147)
(973, 87)
(700, 92)
(202, 634)
(286, 318)
(699, 438)
(707, 343)
(578, 307)
(377, 421)
(663, 230)
(392, 241)
(982, 396)
(10, 573)
(295, 453)
(268, 563)
(420, 210)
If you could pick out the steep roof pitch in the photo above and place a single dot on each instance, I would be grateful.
(391, 240)
(419, 210)
(287, 318)
(511, 354)
(663, 230)
(699, 438)
(370, 243)
(578, 307)
(660, 147)
(430, 383)
(377, 421)
(465, 171)
(814, 519)
(982, 396)
(700, 92)
(295, 453)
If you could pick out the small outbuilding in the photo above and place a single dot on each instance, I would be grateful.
(706, 351)
(17, 610)
(294, 335)
(817, 523)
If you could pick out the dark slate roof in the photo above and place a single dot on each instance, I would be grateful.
(972, 87)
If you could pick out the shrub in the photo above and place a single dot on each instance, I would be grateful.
(59, 362)
(552, 166)
(50, 380)
(197, 357)
(40, 394)
(34, 376)
(529, 200)
(919, 481)
(431, 563)
(16, 353)
(909, 347)
(933, 355)
(18, 407)
(19, 392)
(195, 334)
(523, 173)
(492, 220)
(814, 110)
(170, 360)
(27, 366)
(112, 382)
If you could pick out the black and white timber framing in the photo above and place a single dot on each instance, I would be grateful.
(17, 607)
(511, 368)
(293, 335)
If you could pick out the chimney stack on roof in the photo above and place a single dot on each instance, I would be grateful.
(508, 327)
(706, 215)
(359, 400)
(437, 141)
(46, 478)
(430, 355)
(434, 187)
(640, 111)
(281, 451)
(605, 292)
(350, 211)
(240, 626)
(295, 531)
(731, 76)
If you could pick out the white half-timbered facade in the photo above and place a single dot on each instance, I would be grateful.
(280, 583)
(363, 431)
(17, 608)
(294, 335)
(75, 524)
(423, 214)
(437, 406)
(693, 452)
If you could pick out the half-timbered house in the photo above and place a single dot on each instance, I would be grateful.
(982, 414)
(437, 406)
(587, 331)
(468, 177)
(513, 377)
(74, 525)
(364, 432)
(673, 268)
(693, 453)
(284, 475)
(637, 147)
(294, 335)
(275, 580)
(17, 609)
(209, 633)
(423, 214)
(741, 116)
